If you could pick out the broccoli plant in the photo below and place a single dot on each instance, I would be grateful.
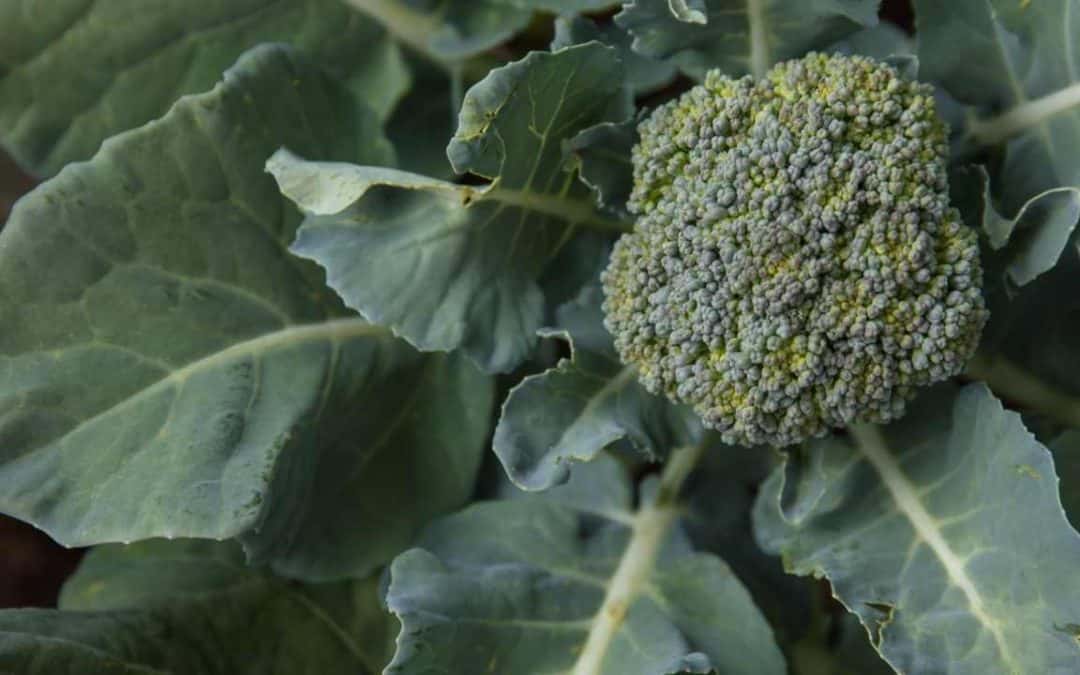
(536, 337)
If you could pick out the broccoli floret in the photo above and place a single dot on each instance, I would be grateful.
(795, 264)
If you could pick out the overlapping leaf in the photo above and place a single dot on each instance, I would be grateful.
(644, 74)
(1018, 62)
(950, 544)
(562, 6)
(168, 369)
(450, 266)
(602, 154)
(75, 72)
(1028, 349)
(193, 608)
(883, 41)
(1030, 243)
(574, 410)
(448, 31)
(511, 586)
(740, 36)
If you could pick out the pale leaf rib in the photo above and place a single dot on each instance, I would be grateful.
(872, 445)
(651, 527)
(332, 330)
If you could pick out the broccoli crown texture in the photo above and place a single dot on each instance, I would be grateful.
(795, 264)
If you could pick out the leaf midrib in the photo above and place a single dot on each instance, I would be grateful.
(332, 330)
(872, 446)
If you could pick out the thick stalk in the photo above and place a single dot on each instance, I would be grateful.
(1024, 116)
(650, 528)
(1012, 382)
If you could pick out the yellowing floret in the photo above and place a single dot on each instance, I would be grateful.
(795, 264)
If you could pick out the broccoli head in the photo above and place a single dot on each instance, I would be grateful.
(795, 264)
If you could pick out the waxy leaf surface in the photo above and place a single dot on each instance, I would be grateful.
(950, 544)
(167, 368)
(193, 608)
(75, 72)
(450, 266)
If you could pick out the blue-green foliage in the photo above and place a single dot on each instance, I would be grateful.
(289, 255)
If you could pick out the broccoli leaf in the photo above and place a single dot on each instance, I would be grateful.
(1018, 63)
(133, 59)
(950, 544)
(644, 74)
(561, 6)
(742, 36)
(883, 41)
(168, 369)
(448, 31)
(1066, 449)
(512, 586)
(193, 607)
(1032, 242)
(689, 11)
(466, 259)
(602, 154)
(574, 410)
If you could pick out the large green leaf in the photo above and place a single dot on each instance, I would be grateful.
(449, 31)
(517, 587)
(948, 540)
(741, 36)
(193, 608)
(571, 412)
(451, 266)
(167, 368)
(74, 72)
(644, 74)
(1019, 63)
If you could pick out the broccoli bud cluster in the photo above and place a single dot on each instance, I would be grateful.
(795, 264)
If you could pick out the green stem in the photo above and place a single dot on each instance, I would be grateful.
(650, 528)
(1024, 116)
(571, 210)
(759, 38)
(1012, 382)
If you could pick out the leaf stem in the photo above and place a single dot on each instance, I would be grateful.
(650, 528)
(571, 210)
(1012, 382)
(1024, 116)
(759, 38)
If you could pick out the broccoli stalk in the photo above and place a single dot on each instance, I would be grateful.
(795, 264)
